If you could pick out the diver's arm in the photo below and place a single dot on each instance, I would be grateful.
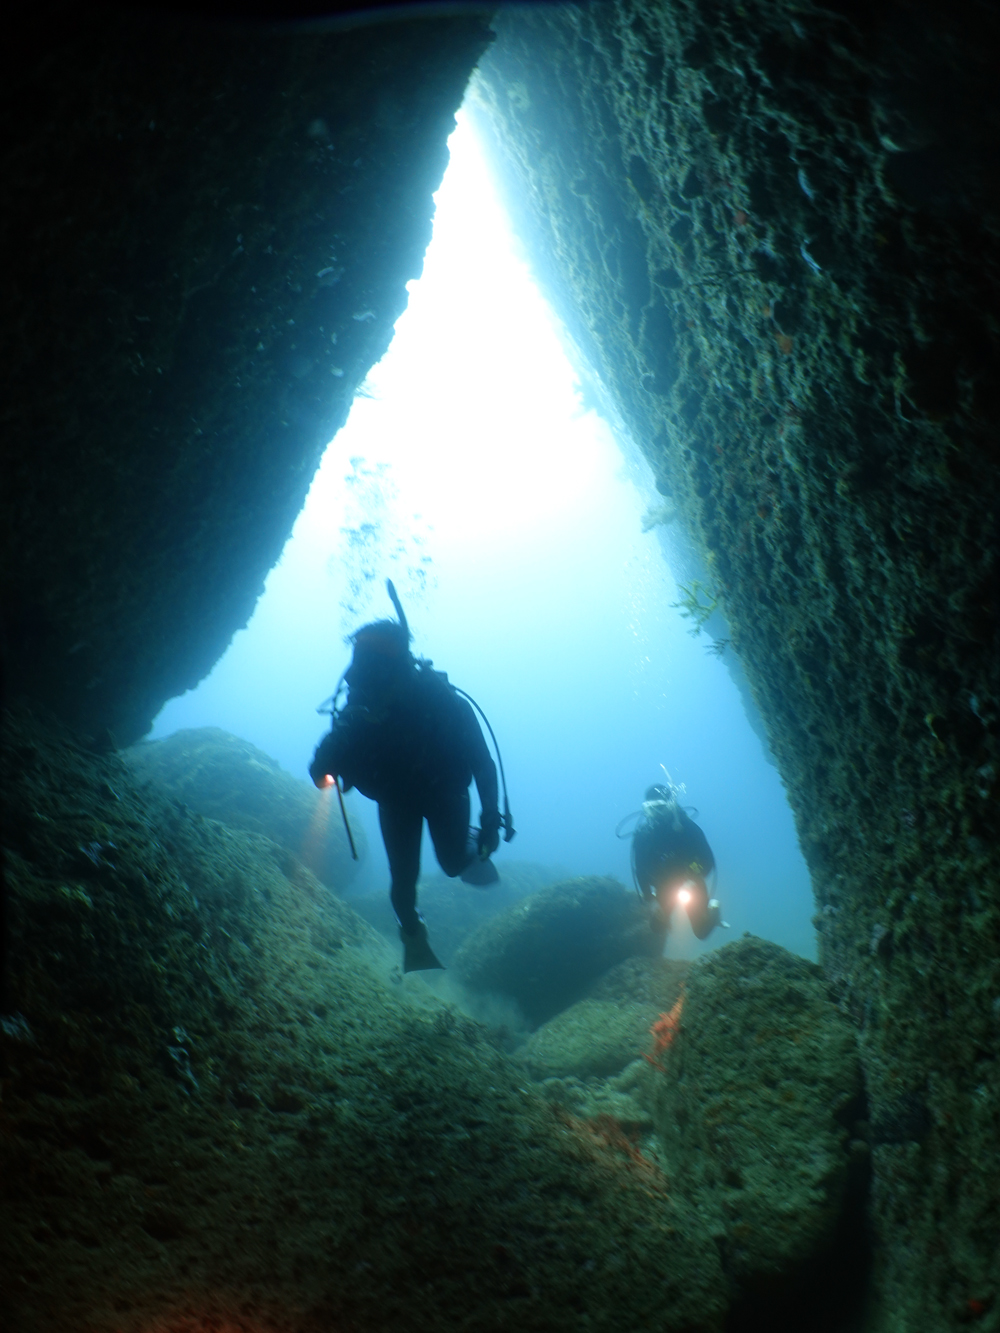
(644, 857)
(329, 758)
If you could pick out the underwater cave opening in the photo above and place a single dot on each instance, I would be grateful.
(528, 544)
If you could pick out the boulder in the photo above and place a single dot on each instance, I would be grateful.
(219, 1111)
(587, 1059)
(755, 1107)
(620, 1099)
(453, 910)
(545, 952)
(597, 1037)
(240, 192)
(590, 1039)
(643, 980)
(752, 1109)
(225, 778)
(805, 232)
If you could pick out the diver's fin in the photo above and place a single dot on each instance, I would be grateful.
(480, 873)
(418, 956)
(715, 908)
(479, 870)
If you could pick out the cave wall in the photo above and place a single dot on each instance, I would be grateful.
(772, 230)
(209, 230)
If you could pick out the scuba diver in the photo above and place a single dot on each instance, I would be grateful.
(671, 860)
(409, 740)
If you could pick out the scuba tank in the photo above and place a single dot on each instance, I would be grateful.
(335, 709)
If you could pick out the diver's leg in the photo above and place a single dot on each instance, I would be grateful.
(457, 845)
(402, 826)
(703, 912)
(645, 861)
(448, 822)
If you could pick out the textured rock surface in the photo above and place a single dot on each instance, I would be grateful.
(761, 1093)
(655, 981)
(773, 229)
(453, 910)
(219, 1111)
(213, 226)
(749, 1111)
(547, 950)
(598, 1036)
(590, 1039)
(620, 1100)
(230, 780)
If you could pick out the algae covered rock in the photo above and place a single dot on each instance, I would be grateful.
(754, 1110)
(220, 1111)
(772, 232)
(590, 1039)
(226, 778)
(235, 265)
(643, 980)
(453, 910)
(599, 1036)
(548, 950)
(621, 1098)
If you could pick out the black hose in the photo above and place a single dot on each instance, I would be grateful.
(508, 819)
(636, 814)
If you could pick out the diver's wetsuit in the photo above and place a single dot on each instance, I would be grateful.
(402, 824)
(668, 847)
(413, 747)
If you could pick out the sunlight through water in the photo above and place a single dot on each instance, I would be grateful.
(471, 473)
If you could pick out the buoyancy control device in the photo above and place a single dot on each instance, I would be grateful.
(333, 708)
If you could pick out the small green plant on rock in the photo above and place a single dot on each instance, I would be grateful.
(659, 515)
(692, 606)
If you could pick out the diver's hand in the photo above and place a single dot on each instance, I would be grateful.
(489, 833)
(324, 761)
(323, 778)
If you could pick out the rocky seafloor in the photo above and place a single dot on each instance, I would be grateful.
(221, 1101)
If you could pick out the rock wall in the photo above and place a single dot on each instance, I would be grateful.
(772, 230)
(209, 230)
(737, 1076)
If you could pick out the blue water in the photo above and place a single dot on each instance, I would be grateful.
(511, 522)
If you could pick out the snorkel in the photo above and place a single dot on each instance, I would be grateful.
(380, 642)
(391, 590)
